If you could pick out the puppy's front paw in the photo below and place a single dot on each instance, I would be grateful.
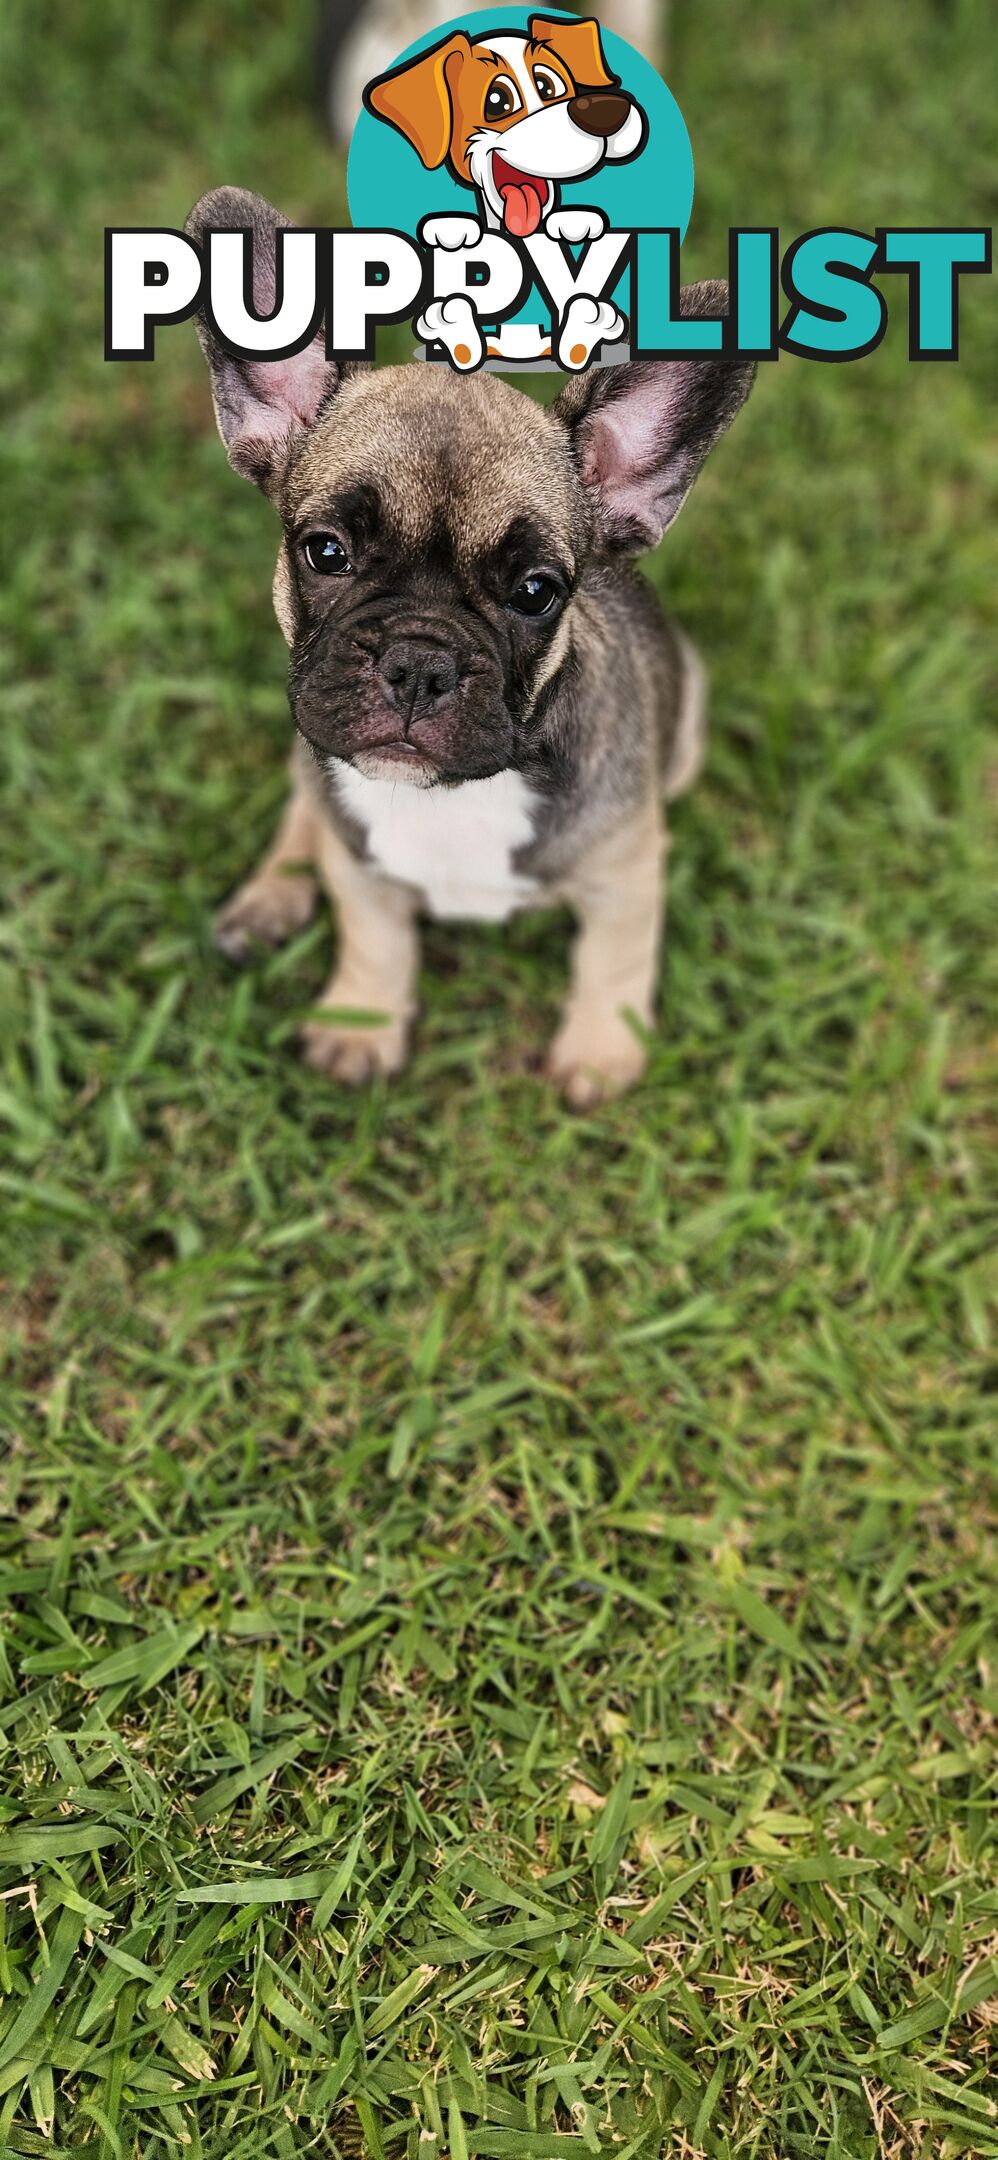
(266, 911)
(354, 1055)
(592, 1061)
(450, 232)
(575, 225)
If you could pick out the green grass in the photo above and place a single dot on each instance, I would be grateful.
(496, 1605)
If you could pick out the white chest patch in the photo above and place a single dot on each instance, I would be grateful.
(455, 844)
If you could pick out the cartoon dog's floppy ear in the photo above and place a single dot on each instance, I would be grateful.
(578, 45)
(417, 98)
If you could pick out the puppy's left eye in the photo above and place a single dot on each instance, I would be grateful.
(326, 554)
(548, 85)
(536, 594)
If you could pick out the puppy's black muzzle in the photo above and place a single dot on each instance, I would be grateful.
(419, 677)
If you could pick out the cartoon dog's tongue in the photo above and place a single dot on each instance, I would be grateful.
(523, 198)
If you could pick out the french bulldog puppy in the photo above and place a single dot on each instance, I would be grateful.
(491, 710)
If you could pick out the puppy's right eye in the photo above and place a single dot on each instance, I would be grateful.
(324, 553)
(501, 99)
(536, 594)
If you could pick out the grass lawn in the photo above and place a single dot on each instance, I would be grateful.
(495, 1605)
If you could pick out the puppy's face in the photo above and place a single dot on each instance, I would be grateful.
(434, 534)
(437, 528)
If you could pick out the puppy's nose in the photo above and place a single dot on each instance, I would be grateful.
(599, 112)
(418, 677)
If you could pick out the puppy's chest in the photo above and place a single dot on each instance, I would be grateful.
(457, 845)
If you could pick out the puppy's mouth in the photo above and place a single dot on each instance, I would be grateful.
(395, 760)
(524, 196)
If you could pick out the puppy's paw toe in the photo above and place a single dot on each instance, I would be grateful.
(450, 232)
(590, 1070)
(575, 225)
(354, 1055)
(267, 911)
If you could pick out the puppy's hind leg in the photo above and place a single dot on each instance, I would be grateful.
(688, 747)
(280, 897)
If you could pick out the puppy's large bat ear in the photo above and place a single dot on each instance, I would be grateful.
(417, 98)
(578, 45)
(641, 431)
(263, 407)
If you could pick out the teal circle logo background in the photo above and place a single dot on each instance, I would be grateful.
(389, 187)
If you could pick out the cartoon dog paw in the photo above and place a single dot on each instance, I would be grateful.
(575, 225)
(454, 323)
(450, 232)
(587, 324)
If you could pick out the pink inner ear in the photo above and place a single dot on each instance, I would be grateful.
(285, 391)
(628, 438)
(282, 391)
(630, 449)
(264, 406)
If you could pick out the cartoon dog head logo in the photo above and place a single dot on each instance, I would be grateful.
(513, 115)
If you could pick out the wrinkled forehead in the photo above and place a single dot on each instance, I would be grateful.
(442, 455)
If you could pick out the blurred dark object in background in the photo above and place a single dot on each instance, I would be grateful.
(359, 39)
